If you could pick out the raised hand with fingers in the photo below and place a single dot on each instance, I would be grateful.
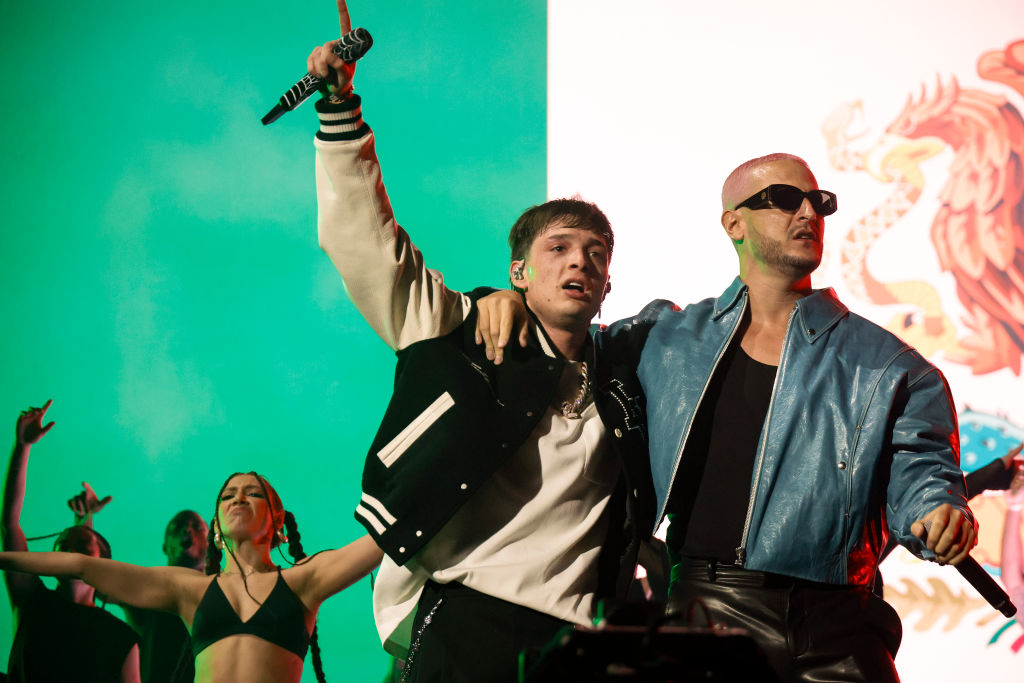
(29, 427)
(325, 63)
(351, 46)
(86, 504)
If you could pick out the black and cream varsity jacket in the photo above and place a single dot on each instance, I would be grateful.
(455, 418)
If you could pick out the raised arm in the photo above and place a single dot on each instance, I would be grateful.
(384, 272)
(163, 588)
(28, 430)
(995, 475)
(324, 574)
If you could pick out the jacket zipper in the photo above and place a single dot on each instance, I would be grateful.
(741, 552)
(686, 436)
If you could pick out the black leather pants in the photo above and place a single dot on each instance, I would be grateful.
(810, 632)
(464, 636)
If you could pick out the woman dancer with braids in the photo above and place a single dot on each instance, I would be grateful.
(253, 620)
(288, 533)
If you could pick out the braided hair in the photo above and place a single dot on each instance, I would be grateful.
(297, 553)
(213, 553)
(294, 539)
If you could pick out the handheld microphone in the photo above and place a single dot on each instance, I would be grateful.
(983, 582)
(986, 586)
(350, 47)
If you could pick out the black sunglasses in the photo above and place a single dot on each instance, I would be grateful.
(789, 198)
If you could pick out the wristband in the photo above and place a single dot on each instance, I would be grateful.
(338, 98)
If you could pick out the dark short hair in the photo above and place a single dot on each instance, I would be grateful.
(103, 544)
(182, 516)
(574, 212)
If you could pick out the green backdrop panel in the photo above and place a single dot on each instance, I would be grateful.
(161, 277)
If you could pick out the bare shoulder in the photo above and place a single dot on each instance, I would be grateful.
(192, 576)
(190, 585)
(321, 575)
(301, 572)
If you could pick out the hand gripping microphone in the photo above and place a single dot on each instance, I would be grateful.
(351, 47)
(983, 582)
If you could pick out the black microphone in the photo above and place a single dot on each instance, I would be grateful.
(351, 47)
(986, 585)
(983, 582)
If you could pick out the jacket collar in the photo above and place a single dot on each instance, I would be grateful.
(730, 297)
(816, 313)
(540, 335)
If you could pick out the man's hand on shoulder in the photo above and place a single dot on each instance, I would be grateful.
(498, 314)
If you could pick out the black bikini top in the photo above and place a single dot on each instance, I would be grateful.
(280, 620)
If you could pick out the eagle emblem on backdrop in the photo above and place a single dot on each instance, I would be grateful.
(977, 229)
(977, 234)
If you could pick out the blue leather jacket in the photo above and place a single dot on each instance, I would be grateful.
(860, 438)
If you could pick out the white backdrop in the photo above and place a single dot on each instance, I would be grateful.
(651, 104)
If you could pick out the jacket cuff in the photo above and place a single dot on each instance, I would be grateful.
(341, 120)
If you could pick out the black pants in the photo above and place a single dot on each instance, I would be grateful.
(472, 637)
(809, 631)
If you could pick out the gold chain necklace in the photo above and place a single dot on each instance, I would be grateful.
(572, 409)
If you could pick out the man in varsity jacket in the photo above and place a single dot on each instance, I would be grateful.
(508, 499)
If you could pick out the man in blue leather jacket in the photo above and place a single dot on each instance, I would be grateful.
(789, 438)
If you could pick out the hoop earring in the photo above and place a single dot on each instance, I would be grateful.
(217, 540)
(282, 536)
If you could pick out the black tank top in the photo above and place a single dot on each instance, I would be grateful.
(711, 492)
(281, 619)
